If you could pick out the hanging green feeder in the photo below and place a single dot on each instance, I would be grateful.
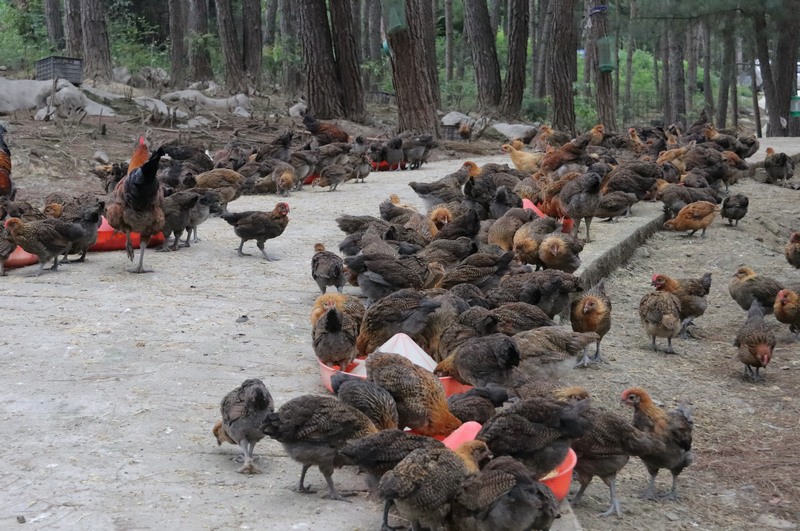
(606, 58)
(395, 13)
(794, 108)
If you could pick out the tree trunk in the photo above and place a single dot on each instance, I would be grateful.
(604, 93)
(73, 31)
(560, 61)
(514, 88)
(666, 82)
(532, 33)
(416, 106)
(252, 38)
(494, 15)
(725, 75)
(199, 55)
(55, 27)
(626, 98)
(734, 75)
(375, 36)
(319, 68)
(352, 89)
(785, 70)
(448, 40)
(754, 90)
(484, 55)
(96, 50)
(291, 74)
(691, 68)
(543, 82)
(231, 51)
(429, 15)
(355, 13)
(708, 91)
(177, 37)
(271, 23)
(677, 78)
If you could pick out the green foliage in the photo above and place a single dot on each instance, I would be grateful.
(23, 39)
(132, 42)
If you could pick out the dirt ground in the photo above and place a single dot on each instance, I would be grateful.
(112, 381)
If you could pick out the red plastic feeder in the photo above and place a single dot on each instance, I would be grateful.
(566, 223)
(108, 240)
(559, 483)
(20, 258)
(384, 166)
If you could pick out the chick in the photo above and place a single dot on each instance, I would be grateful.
(592, 313)
(6, 248)
(792, 250)
(312, 430)
(756, 342)
(348, 304)
(502, 231)
(406, 311)
(551, 349)
(660, 313)
(478, 404)
(178, 208)
(746, 285)
(787, 309)
(243, 410)
(560, 251)
(481, 361)
(327, 269)
(334, 337)
(580, 198)
(734, 208)
(693, 217)
(369, 398)
(47, 238)
(615, 204)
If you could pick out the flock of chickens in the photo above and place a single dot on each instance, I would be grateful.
(477, 281)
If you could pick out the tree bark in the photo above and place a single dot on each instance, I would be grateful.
(73, 31)
(55, 27)
(626, 98)
(484, 55)
(666, 82)
(96, 49)
(429, 15)
(785, 63)
(604, 93)
(292, 76)
(199, 55)
(725, 75)
(708, 91)
(544, 49)
(691, 67)
(319, 67)
(511, 101)
(448, 40)
(355, 13)
(494, 15)
(177, 37)
(231, 50)
(677, 78)
(252, 38)
(532, 33)
(562, 57)
(352, 89)
(271, 22)
(416, 106)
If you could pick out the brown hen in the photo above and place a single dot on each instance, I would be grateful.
(258, 226)
(746, 285)
(693, 217)
(756, 342)
(691, 295)
(660, 313)
(243, 410)
(592, 313)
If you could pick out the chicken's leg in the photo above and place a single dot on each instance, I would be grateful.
(260, 246)
(579, 495)
(385, 525)
(249, 467)
(669, 350)
(597, 358)
(300, 487)
(332, 494)
(576, 229)
(129, 245)
(588, 223)
(650, 491)
(240, 249)
(685, 333)
(142, 246)
(655, 348)
(40, 269)
(612, 486)
(673, 492)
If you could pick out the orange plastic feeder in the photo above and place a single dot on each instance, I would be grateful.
(384, 166)
(559, 483)
(566, 224)
(20, 258)
(108, 240)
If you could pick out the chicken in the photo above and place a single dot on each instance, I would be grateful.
(47, 238)
(324, 132)
(528, 238)
(673, 429)
(548, 136)
(536, 431)
(327, 269)
(746, 286)
(660, 312)
(178, 209)
(691, 294)
(592, 313)
(312, 430)
(420, 398)
(467, 224)
(258, 226)
(425, 483)
(779, 167)
(569, 152)
(787, 309)
(502, 231)
(734, 208)
(445, 190)
(380, 275)
(580, 198)
(522, 160)
(348, 304)
(755, 341)
(481, 361)
(638, 178)
(207, 204)
(361, 167)
(86, 212)
(792, 250)
(227, 183)
(381, 452)
(605, 448)
(20, 209)
(504, 200)
(331, 176)
(504, 495)
(478, 404)
(560, 251)
(615, 204)
(405, 311)
(693, 217)
(369, 398)
(7, 246)
(334, 337)
(465, 130)
(243, 410)
(7, 188)
(394, 153)
(136, 202)
(483, 270)
(448, 252)
(551, 349)
(515, 317)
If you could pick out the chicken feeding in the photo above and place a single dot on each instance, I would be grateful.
(477, 404)
(673, 429)
(756, 342)
(502, 231)
(178, 209)
(420, 397)
(348, 304)
(746, 286)
(615, 204)
(227, 183)
(592, 313)
(312, 430)
(368, 397)
(691, 294)
(327, 269)
(504, 495)
(47, 238)
(551, 350)
(734, 208)
(779, 167)
(206, 205)
(660, 313)
(243, 411)
(334, 337)
(792, 250)
(407, 311)
(560, 251)
(481, 361)
(259, 226)
(424, 484)
(693, 217)
(787, 309)
(580, 198)
(88, 216)
(136, 202)
(7, 188)
(323, 133)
